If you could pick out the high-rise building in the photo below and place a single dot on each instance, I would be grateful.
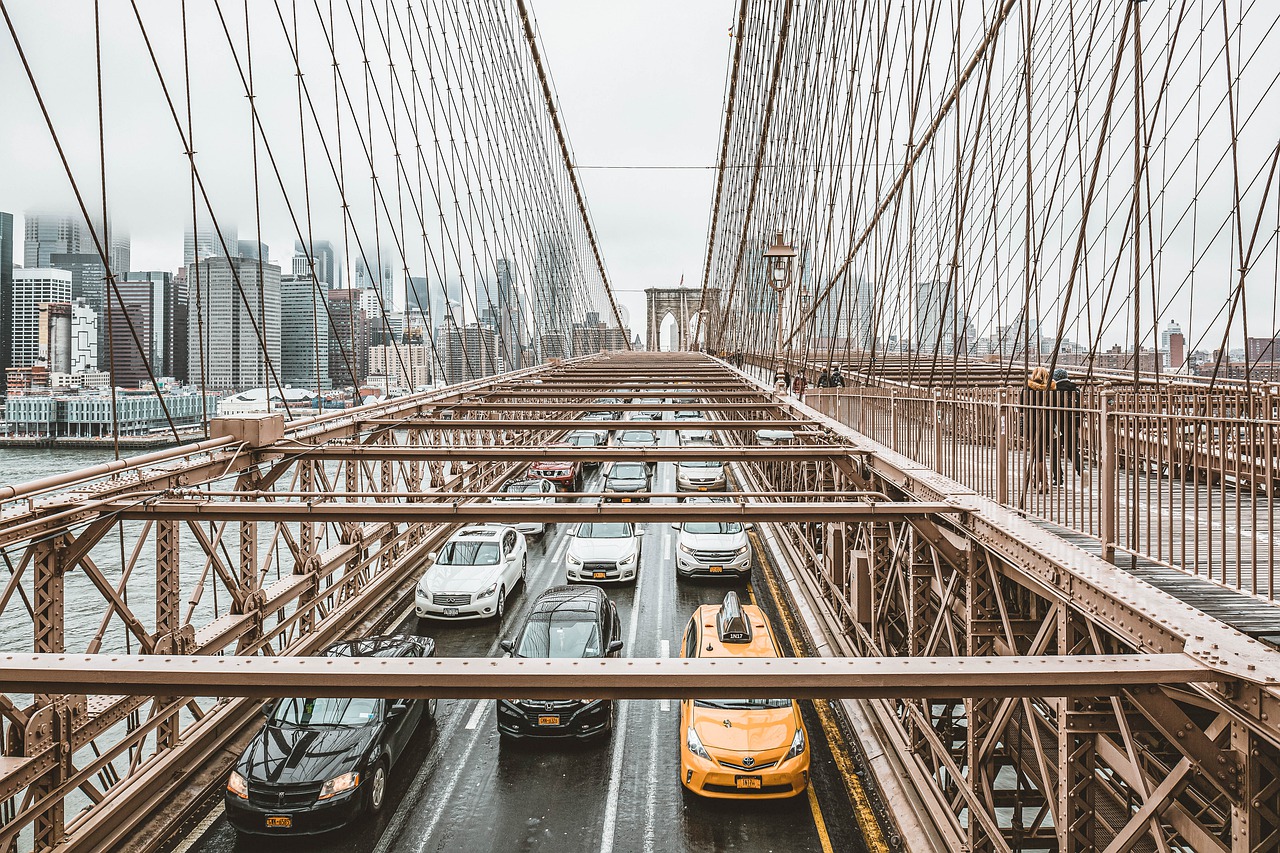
(1173, 345)
(468, 352)
(349, 338)
(49, 234)
(940, 327)
(88, 282)
(405, 367)
(6, 295)
(53, 333)
(376, 274)
(206, 242)
(324, 258)
(130, 324)
(510, 319)
(31, 287)
(166, 298)
(231, 352)
(304, 333)
(84, 337)
(253, 250)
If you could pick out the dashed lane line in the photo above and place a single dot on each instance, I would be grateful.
(476, 715)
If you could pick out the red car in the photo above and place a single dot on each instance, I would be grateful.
(566, 475)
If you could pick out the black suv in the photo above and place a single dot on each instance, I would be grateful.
(318, 764)
(564, 622)
(624, 479)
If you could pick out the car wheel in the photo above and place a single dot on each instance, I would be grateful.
(432, 704)
(502, 602)
(524, 569)
(377, 788)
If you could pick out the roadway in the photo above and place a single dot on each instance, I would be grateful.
(457, 788)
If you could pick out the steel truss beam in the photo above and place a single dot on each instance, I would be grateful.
(629, 678)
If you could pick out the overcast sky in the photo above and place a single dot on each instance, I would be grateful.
(639, 84)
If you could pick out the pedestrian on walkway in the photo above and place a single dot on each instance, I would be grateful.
(824, 380)
(837, 379)
(1036, 428)
(1065, 426)
(798, 386)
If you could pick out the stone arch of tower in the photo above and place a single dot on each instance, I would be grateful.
(682, 303)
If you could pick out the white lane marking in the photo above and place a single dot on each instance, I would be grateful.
(610, 824)
(665, 704)
(197, 832)
(463, 766)
(477, 714)
(445, 738)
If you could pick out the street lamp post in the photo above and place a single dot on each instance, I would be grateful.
(778, 258)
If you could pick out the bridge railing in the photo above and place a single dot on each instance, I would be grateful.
(1181, 479)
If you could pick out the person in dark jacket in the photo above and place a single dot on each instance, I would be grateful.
(1036, 426)
(1065, 426)
(837, 379)
(824, 379)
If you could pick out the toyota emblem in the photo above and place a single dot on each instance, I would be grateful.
(748, 761)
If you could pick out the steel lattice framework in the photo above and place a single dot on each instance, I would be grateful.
(311, 535)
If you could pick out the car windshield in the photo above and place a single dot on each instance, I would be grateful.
(712, 527)
(522, 487)
(469, 554)
(605, 530)
(698, 463)
(637, 436)
(586, 439)
(627, 471)
(560, 634)
(742, 704)
(325, 712)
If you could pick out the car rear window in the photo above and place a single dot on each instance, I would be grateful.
(637, 435)
(627, 471)
(522, 487)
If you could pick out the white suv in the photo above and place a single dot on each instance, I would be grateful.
(473, 574)
(604, 551)
(712, 549)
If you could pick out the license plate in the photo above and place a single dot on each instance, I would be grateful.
(702, 488)
(451, 611)
(597, 575)
(749, 782)
(626, 500)
(717, 569)
(279, 822)
(552, 720)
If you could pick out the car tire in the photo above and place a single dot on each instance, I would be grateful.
(432, 704)
(377, 789)
(524, 571)
(502, 603)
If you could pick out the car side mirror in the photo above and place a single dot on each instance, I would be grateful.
(675, 525)
(508, 646)
(615, 646)
(398, 707)
(270, 708)
(751, 525)
(639, 531)
(433, 555)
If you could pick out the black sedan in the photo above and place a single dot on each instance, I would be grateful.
(318, 764)
(564, 622)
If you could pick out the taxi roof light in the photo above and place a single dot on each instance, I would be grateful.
(732, 624)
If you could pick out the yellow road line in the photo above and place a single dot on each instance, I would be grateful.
(823, 837)
(840, 752)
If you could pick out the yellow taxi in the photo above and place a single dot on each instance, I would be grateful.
(739, 748)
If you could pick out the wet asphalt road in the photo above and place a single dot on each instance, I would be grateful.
(455, 788)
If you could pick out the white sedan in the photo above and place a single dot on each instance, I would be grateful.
(473, 574)
(523, 492)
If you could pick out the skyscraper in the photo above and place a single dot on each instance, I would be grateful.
(6, 295)
(349, 338)
(205, 242)
(31, 287)
(365, 275)
(939, 325)
(88, 282)
(166, 298)
(49, 234)
(130, 325)
(322, 254)
(230, 352)
(304, 333)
